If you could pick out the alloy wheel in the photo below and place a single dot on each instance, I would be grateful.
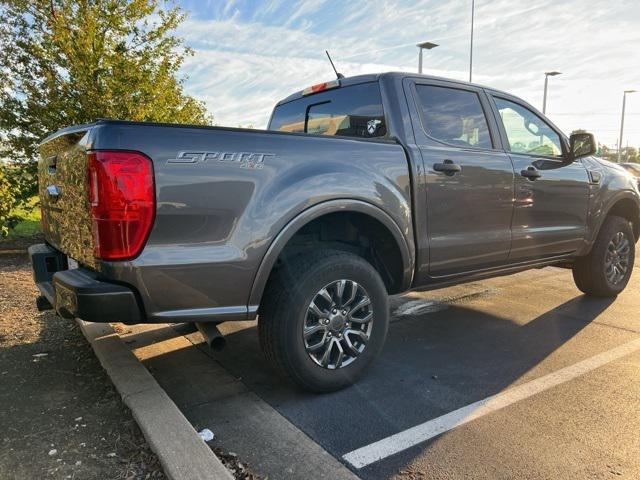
(338, 324)
(616, 260)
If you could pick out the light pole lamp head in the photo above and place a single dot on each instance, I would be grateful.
(552, 74)
(427, 45)
(630, 91)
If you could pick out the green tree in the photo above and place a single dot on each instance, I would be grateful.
(65, 62)
(608, 153)
(7, 203)
(630, 154)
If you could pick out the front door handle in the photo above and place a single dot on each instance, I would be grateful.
(531, 173)
(447, 167)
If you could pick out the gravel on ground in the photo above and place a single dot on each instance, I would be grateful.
(60, 416)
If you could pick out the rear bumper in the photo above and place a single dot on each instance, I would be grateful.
(79, 292)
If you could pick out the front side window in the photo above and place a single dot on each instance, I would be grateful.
(527, 132)
(354, 111)
(453, 116)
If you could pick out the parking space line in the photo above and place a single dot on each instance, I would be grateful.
(401, 441)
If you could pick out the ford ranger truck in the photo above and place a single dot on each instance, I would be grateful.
(360, 188)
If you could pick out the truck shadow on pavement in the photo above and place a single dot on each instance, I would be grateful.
(432, 364)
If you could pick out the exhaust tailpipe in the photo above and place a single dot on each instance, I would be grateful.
(212, 336)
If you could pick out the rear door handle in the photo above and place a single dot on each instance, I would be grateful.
(447, 167)
(531, 173)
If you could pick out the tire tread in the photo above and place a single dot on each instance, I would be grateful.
(281, 287)
(587, 270)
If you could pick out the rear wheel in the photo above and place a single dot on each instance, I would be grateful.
(605, 272)
(324, 319)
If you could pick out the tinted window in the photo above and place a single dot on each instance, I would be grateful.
(288, 117)
(354, 111)
(527, 132)
(453, 116)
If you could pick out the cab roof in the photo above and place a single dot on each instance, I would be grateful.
(374, 77)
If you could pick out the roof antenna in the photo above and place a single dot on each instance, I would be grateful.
(339, 75)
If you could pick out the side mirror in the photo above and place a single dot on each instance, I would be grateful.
(582, 145)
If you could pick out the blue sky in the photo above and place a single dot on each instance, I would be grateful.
(249, 53)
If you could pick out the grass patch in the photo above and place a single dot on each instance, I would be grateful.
(27, 227)
(29, 224)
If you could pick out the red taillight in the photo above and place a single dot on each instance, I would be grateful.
(122, 202)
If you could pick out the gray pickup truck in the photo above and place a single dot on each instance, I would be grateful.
(360, 187)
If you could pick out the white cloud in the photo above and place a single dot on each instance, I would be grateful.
(245, 62)
(302, 9)
(254, 93)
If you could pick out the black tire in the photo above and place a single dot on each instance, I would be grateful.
(590, 271)
(284, 313)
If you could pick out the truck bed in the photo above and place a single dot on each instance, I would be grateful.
(222, 196)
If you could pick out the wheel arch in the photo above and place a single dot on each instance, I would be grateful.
(629, 209)
(624, 204)
(325, 210)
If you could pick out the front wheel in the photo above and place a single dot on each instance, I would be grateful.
(605, 272)
(324, 319)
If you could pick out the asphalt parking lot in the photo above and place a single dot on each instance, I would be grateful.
(514, 377)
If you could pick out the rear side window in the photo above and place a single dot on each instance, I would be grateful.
(354, 111)
(453, 116)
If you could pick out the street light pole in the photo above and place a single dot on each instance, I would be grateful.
(424, 46)
(624, 101)
(473, 8)
(546, 82)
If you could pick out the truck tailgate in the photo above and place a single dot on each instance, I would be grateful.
(62, 179)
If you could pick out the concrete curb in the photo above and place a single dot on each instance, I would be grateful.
(181, 451)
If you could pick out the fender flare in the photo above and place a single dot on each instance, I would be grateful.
(310, 214)
(604, 213)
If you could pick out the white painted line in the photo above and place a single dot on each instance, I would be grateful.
(416, 307)
(413, 436)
